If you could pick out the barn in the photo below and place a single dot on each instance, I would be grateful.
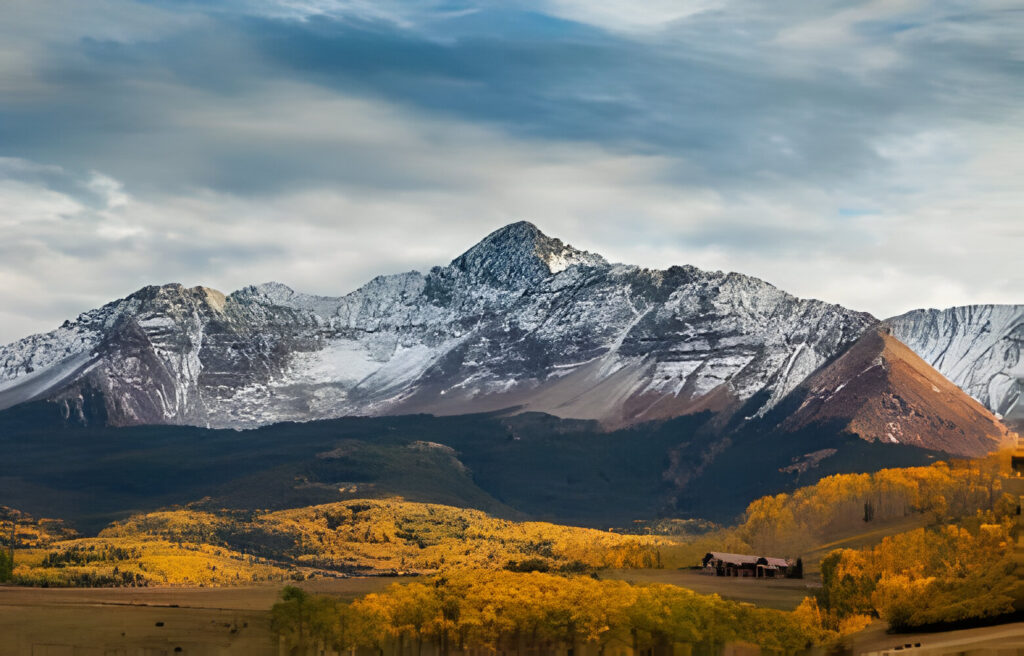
(729, 564)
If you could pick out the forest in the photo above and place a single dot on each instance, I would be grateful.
(958, 565)
(478, 611)
(944, 575)
(942, 493)
(391, 536)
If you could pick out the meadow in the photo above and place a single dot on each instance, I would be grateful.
(199, 621)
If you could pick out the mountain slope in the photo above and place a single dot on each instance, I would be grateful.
(978, 347)
(882, 391)
(523, 465)
(521, 319)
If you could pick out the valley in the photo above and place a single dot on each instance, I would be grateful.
(310, 547)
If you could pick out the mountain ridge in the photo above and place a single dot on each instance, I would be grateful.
(519, 320)
(555, 307)
(978, 347)
(886, 392)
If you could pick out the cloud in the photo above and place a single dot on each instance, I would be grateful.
(720, 91)
(625, 16)
(72, 251)
(611, 15)
(839, 29)
(864, 154)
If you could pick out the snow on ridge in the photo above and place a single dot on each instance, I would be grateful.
(980, 348)
(518, 306)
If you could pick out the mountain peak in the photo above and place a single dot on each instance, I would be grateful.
(518, 228)
(520, 253)
(173, 293)
(887, 393)
(275, 290)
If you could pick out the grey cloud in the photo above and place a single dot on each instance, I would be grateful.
(252, 143)
(717, 91)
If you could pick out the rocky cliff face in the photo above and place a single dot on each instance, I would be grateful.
(978, 347)
(520, 319)
(882, 391)
(162, 355)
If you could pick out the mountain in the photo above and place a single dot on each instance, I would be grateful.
(522, 322)
(881, 390)
(978, 347)
(519, 320)
(562, 386)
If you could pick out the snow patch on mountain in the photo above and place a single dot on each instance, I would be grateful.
(520, 319)
(978, 347)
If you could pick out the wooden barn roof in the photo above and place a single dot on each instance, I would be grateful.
(734, 559)
(744, 559)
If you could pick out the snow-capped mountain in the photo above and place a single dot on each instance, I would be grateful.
(978, 347)
(521, 319)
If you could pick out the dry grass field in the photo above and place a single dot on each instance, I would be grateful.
(150, 621)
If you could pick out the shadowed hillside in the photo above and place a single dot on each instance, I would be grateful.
(528, 465)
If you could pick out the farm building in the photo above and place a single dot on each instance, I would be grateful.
(761, 567)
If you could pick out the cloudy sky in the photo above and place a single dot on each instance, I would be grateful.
(864, 153)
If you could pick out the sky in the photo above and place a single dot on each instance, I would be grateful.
(868, 154)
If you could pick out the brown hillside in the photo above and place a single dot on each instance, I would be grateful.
(887, 393)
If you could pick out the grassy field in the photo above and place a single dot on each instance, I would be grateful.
(87, 621)
(192, 621)
(235, 620)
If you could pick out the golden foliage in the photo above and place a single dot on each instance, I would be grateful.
(925, 576)
(133, 562)
(190, 546)
(785, 524)
(826, 627)
(392, 535)
(194, 547)
(29, 531)
(496, 610)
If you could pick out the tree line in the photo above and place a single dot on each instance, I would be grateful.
(928, 576)
(944, 492)
(488, 611)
